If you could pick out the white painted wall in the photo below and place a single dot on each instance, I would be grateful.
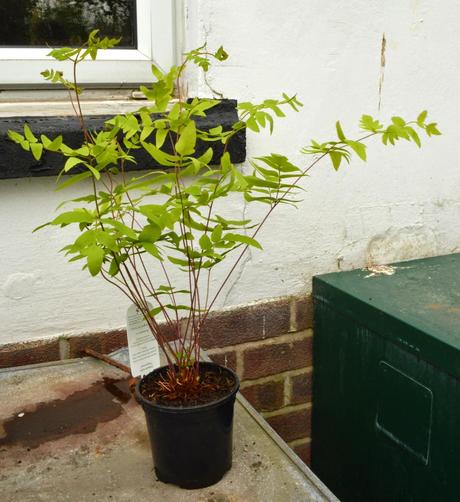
(404, 203)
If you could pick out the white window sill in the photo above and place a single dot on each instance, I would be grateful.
(63, 109)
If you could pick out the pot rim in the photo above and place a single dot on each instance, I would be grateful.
(194, 408)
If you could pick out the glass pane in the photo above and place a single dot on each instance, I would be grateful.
(54, 23)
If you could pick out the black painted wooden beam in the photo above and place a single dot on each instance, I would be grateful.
(17, 163)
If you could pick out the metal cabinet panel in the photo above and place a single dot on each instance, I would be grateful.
(386, 392)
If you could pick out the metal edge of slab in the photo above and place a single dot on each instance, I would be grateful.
(282, 445)
(287, 451)
(46, 364)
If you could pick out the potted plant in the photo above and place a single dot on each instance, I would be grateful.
(171, 222)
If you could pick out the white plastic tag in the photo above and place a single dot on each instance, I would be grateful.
(144, 352)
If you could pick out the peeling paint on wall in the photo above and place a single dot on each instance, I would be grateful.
(398, 244)
(20, 285)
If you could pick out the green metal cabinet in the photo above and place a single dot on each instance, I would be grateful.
(386, 390)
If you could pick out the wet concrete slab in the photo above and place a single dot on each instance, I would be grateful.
(72, 432)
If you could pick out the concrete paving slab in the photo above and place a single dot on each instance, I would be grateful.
(72, 432)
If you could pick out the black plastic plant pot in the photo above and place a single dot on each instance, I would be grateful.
(191, 446)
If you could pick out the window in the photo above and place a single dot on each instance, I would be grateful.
(147, 29)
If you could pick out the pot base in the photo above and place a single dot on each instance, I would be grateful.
(189, 484)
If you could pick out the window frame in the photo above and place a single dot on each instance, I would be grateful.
(156, 35)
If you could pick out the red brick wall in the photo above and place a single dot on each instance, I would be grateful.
(269, 345)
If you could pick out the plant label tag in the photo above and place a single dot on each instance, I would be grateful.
(144, 352)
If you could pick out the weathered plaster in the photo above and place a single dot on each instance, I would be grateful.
(21, 285)
(398, 244)
(404, 203)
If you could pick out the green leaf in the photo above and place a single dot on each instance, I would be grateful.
(73, 180)
(244, 239)
(72, 162)
(292, 101)
(421, 118)
(432, 130)
(152, 249)
(36, 149)
(226, 163)
(336, 158)
(15, 136)
(45, 141)
(150, 233)
(52, 146)
(359, 148)
(255, 181)
(398, 121)
(413, 134)
(82, 151)
(280, 163)
(56, 77)
(28, 134)
(95, 172)
(160, 137)
(187, 141)
(229, 223)
(340, 133)
(63, 53)
(107, 240)
(178, 261)
(215, 130)
(130, 126)
(205, 242)
(75, 216)
(157, 72)
(260, 118)
(146, 132)
(167, 289)
(252, 124)
(220, 54)
(161, 157)
(94, 258)
(152, 211)
(369, 124)
(216, 234)
(121, 227)
(84, 198)
(200, 106)
(86, 239)
(114, 268)
(206, 157)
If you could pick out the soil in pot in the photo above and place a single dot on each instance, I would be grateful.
(191, 436)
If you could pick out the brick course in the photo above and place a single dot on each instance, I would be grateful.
(301, 388)
(291, 425)
(20, 354)
(227, 359)
(269, 359)
(103, 342)
(303, 313)
(266, 396)
(246, 324)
